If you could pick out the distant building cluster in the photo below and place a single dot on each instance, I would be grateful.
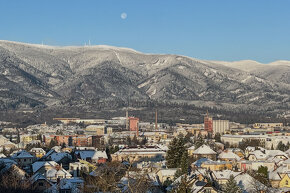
(75, 155)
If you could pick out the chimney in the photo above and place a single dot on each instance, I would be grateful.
(127, 120)
(156, 126)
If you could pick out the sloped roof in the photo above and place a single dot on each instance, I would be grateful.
(37, 165)
(2, 155)
(191, 148)
(274, 175)
(99, 154)
(84, 154)
(258, 154)
(168, 172)
(229, 155)
(22, 154)
(273, 153)
(59, 156)
(200, 161)
(225, 174)
(204, 149)
(246, 182)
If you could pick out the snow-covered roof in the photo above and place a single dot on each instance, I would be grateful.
(204, 149)
(35, 149)
(200, 161)
(191, 148)
(51, 173)
(273, 153)
(274, 175)
(225, 174)
(37, 165)
(99, 154)
(258, 154)
(229, 155)
(22, 155)
(248, 183)
(2, 155)
(38, 176)
(59, 156)
(168, 172)
(85, 154)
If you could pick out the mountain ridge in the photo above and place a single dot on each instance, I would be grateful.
(36, 76)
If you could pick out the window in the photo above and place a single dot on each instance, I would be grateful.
(286, 182)
(40, 184)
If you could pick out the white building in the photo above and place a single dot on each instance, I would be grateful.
(220, 126)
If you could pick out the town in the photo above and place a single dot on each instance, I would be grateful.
(124, 154)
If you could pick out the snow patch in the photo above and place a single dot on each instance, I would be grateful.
(144, 84)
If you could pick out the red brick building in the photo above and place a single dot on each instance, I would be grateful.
(70, 140)
(208, 123)
(134, 124)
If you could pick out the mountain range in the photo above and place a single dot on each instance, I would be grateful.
(39, 76)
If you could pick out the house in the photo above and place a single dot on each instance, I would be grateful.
(248, 184)
(191, 150)
(92, 155)
(39, 182)
(222, 177)
(37, 152)
(62, 158)
(76, 167)
(56, 173)
(228, 156)
(42, 166)
(197, 163)
(217, 165)
(203, 187)
(257, 155)
(166, 174)
(138, 154)
(100, 157)
(280, 178)
(204, 151)
(276, 154)
(71, 185)
(23, 158)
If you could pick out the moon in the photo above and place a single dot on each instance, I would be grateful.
(124, 15)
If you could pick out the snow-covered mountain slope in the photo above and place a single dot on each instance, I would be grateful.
(46, 75)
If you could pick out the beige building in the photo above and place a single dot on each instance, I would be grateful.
(95, 130)
(221, 126)
(166, 174)
(137, 154)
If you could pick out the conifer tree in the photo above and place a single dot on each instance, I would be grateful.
(184, 162)
(175, 152)
(171, 154)
(231, 186)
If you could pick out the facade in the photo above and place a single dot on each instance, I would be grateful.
(208, 123)
(265, 125)
(37, 152)
(69, 140)
(134, 125)
(138, 154)
(204, 151)
(220, 126)
(95, 130)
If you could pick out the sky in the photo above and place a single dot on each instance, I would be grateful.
(227, 30)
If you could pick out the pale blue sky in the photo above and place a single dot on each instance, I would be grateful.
(205, 29)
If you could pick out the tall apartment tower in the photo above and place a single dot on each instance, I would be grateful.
(208, 123)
